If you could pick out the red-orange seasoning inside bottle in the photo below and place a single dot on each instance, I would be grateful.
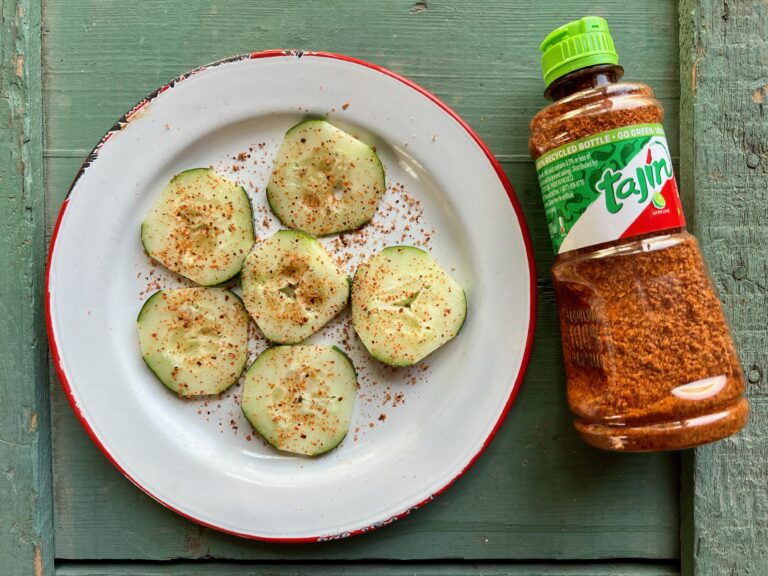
(649, 359)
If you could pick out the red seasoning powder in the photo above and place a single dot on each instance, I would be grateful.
(649, 359)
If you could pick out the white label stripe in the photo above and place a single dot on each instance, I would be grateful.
(597, 224)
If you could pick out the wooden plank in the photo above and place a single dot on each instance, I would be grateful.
(224, 569)
(482, 59)
(687, 182)
(685, 173)
(60, 170)
(729, 88)
(538, 492)
(26, 545)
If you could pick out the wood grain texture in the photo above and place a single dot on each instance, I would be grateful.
(26, 530)
(688, 62)
(729, 85)
(687, 182)
(224, 569)
(538, 492)
(481, 58)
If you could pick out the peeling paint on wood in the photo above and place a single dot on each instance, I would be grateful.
(38, 561)
(25, 482)
(19, 65)
(725, 497)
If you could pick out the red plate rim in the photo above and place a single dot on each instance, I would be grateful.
(502, 178)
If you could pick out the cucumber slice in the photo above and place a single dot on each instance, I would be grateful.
(404, 306)
(194, 339)
(300, 398)
(200, 227)
(324, 180)
(292, 286)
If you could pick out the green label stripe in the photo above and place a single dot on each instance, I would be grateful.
(570, 177)
(610, 137)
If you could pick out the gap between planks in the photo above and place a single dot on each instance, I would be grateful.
(82, 153)
(204, 568)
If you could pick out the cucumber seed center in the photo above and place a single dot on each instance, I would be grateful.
(289, 290)
(338, 191)
(408, 300)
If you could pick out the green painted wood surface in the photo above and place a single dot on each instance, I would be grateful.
(224, 569)
(26, 546)
(687, 183)
(726, 497)
(538, 492)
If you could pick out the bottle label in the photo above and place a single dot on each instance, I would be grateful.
(611, 185)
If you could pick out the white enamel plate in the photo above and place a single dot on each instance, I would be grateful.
(414, 430)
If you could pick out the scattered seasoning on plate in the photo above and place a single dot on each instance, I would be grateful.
(400, 219)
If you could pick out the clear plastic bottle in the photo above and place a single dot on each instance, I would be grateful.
(650, 362)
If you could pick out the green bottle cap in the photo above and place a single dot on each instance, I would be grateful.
(576, 45)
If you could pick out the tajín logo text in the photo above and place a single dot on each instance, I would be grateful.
(647, 179)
